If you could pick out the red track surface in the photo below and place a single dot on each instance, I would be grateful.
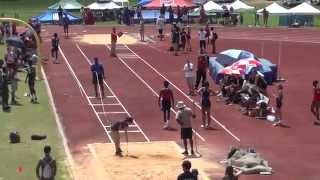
(299, 66)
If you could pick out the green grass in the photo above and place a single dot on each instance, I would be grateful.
(29, 119)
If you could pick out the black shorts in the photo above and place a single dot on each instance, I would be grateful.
(203, 44)
(206, 104)
(166, 105)
(100, 79)
(160, 31)
(186, 133)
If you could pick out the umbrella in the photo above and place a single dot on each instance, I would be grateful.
(15, 41)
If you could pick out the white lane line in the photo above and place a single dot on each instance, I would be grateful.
(105, 83)
(270, 39)
(155, 70)
(131, 125)
(115, 104)
(151, 89)
(120, 112)
(82, 89)
(59, 126)
(93, 97)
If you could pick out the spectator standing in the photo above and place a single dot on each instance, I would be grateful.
(213, 38)
(114, 38)
(47, 167)
(171, 17)
(60, 14)
(141, 30)
(1, 33)
(183, 38)
(165, 102)
(315, 105)
(186, 175)
(201, 73)
(207, 31)
(55, 48)
(205, 93)
(132, 12)
(97, 71)
(188, 42)
(139, 13)
(279, 101)
(4, 87)
(31, 78)
(175, 40)
(202, 40)
(183, 118)
(66, 23)
(14, 29)
(162, 11)
(115, 135)
(203, 15)
(160, 26)
(256, 19)
(265, 15)
(189, 76)
(179, 14)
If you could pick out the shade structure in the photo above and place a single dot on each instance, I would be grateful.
(172, 3)
(304, 9)
(51, 17)
(239, 6)
(275, 9)
(103, 6)
(67, 4)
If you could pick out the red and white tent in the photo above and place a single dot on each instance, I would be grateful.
(172, 3)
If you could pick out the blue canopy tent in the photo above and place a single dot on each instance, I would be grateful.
(51, 17)
(218, 63)
(143, 2)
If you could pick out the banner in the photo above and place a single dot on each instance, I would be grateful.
(167, 2)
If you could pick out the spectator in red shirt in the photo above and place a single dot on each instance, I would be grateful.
(202, 67)
(114, 39)
(316, 99)
(14, 29)
(165, 102)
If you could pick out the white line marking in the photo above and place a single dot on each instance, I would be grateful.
(191, 100)
(82, 89)
(130, 125)
(152, 90)
(112, 112)
(59, 125)
(93, 97)
(115, 104)
(105, 83)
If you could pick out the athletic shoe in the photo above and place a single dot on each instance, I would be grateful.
(203, 126)
(192, 152)
(185, 153)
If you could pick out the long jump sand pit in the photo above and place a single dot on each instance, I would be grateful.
(145, 161)
(102, 39)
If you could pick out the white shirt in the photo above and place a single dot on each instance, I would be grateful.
(160, 23)
(188, 70)
(202, 35)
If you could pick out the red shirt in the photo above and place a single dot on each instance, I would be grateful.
(166, 95)
(316, 95)
(202, 65)
(113, 37)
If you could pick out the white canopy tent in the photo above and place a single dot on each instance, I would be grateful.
(211, 6)
(304, 9)
(122, 3)
(275, 9)
(103, 6)
(239, 6)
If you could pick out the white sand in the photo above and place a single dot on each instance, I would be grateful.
(146, 161)
(102, 39)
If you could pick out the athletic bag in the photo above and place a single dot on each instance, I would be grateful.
(14, 137)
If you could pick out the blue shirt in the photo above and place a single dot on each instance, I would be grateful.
(97, 68)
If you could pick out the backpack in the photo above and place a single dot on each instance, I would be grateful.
(47, 169)
(14, 137)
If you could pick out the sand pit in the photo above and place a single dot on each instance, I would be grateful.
(102, 39)
(146, 161)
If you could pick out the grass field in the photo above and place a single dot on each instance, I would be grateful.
(29, 119)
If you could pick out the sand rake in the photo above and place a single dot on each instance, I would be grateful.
(127, 148)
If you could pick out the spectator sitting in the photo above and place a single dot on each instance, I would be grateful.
(230, 174)
(186, 166)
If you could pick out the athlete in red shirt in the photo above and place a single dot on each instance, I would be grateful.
(165, 102)
(202, 67)
(316, 99)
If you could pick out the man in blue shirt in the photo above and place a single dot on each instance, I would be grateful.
(97, 76)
